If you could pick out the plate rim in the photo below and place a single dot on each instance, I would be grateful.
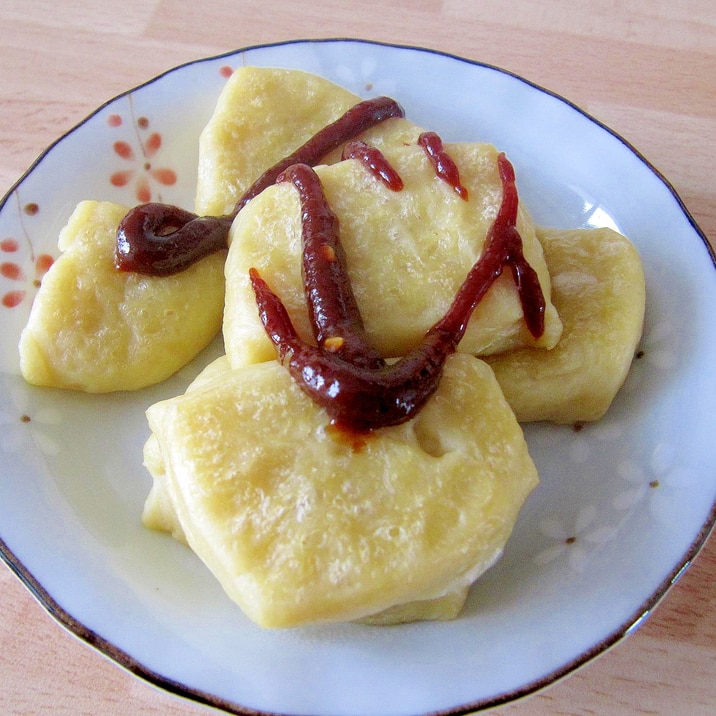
(376, 43)
(133, 665)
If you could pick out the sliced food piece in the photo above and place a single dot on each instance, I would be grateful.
(598, 289)
(159, 513)
(96, 329)
(302, 524)
(262, 115)
(407, 253)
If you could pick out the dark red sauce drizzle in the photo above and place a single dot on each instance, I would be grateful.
(355, 121)
(160, 239)
(374, 161)
(336, 319)
(358, 389)
(442, 162)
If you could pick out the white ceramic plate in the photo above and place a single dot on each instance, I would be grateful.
(623, 507)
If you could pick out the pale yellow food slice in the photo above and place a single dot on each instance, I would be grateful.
(96, 329)
(442, 608)
(407, 254)
(159, 513)
(598, 289)
(300, 526)
(263, 115)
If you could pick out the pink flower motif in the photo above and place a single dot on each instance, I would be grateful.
(142, 172)
(21, 274)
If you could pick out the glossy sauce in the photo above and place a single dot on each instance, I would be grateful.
(374, 161)
(358, 392)
(335, 317)
(355, 121)
(442, 162)
(343, 372)
(160, 239)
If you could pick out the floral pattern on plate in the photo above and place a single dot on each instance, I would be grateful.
(140, 151)
(21, 266)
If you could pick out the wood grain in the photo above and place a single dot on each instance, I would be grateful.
(647, 72)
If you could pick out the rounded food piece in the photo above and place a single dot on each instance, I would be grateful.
(96, 329)
(262, 115)
(302, 524)
(598, 288)
(407, 253)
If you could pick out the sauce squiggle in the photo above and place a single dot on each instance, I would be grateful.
(357, 388)
(442, 162)
(343, 372)
(160, 239)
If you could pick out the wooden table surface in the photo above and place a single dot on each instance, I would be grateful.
(648, 73)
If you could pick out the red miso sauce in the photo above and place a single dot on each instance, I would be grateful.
(442, 162)
(160, 239)
(374, 161)
(343, 372)
(360, 391)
